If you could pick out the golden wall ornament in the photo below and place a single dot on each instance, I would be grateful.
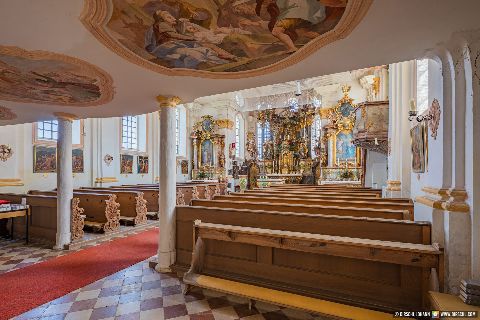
(224, 124)
(112, 213)
(6, 152)
(434, 112)
(140, 209)
(168, 101)
(78, 220)
(7, 114)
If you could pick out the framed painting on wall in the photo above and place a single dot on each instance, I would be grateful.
(184, 166)
(126, 163)
(77, 161)
(142, 164)
(418, 136)
(44, 159)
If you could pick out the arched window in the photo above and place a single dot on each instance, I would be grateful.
(134, 133)
(181, 131)
(422, 85)
(316, 129)
(239, 136)
(46, 132)
(263, 135)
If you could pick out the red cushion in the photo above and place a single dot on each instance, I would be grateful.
(4, 201)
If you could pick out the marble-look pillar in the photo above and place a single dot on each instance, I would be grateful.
(167, 183)
(402, 91)
(64, 180)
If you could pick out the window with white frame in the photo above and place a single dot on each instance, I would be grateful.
(130, 133)
(181, 131)
(238, 135)
(422, 85)
(263, 135)
(46, 132)
(177, 131)
(316, 129)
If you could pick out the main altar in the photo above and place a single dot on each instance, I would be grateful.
(307, 144)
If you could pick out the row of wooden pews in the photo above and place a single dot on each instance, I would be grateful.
(103, 209)
(322, 244)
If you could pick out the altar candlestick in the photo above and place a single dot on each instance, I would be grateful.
(412, 105)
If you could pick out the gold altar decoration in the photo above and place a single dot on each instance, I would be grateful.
(208, 149)
(251, 145)
(340, 158)
(288, 151)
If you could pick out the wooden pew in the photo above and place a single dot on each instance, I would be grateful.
(346, 197)
(378, 203)
(43, 219)
(329, 210)
(149, 195)
(316, 194)
(377, 274)
(133, 206)
(101, 210)
(319, 191)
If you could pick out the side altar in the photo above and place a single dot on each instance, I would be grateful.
(208, 156)
(341, 160)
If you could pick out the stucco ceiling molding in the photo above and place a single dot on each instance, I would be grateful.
(7, 114)
(97, 13)
(103, 80)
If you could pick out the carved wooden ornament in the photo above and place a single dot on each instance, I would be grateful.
(195, 195)
(78, 220)
(112, 213)
(180, 198)
(435, 112)
(141, 209)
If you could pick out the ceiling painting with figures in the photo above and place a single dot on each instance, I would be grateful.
(220, 36)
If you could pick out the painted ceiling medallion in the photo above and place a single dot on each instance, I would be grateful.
(51, 78)
(220, 38)
(6, 113)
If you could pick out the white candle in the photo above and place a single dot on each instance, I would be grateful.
(412, 105)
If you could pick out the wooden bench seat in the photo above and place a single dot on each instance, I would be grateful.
(287, 299)
(378, 203)
(402, 270)
(333, 210)
(315, 194)
(317, 190)
(133, 206)
(149, 195)
(101, 210)
(43, 219)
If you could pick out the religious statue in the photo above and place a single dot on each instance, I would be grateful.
(252, 175)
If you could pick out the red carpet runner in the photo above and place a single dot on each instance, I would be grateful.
(32, 286)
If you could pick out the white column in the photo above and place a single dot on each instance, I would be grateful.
(64, 180)
(167, 184)
(402, 91)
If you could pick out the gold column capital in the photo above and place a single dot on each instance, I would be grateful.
(168, 101)
(65, 116)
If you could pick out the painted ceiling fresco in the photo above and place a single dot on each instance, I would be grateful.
(50, 78)
(219, 36)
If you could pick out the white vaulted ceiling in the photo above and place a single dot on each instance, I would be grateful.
(391, 31)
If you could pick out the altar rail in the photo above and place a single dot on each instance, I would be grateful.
(341, 174)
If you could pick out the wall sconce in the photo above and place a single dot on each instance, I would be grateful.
(413, 113)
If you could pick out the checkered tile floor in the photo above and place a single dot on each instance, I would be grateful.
(139, 292)
(15, 254)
